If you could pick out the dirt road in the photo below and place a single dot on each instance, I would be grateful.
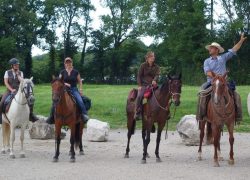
(104, 160)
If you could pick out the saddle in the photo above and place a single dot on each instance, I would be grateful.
(85, 99)
(148, 93)
(132, 94)
(7, 102)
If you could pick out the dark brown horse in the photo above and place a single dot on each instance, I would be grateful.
(220, 111)
(66, 113)
(155, 110)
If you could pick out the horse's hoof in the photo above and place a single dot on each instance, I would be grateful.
(72, 160)
(220, 158)
(126, 156)
(8, 150)
(147, 155)
(12, 156)
(216, 164)
(143, 161)
(81, 153)
(22, 155)
(200, 158)
(3, 152)
(158, 160)
(55, 159)
(231, 162)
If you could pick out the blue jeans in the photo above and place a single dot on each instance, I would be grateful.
(78, 98)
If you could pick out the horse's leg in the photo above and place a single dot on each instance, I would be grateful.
(202, 125)
(22, 153)
(80, 144)
(146, 142)
(231, 141)
(57, 143)
(4, 143)
(216, 134)
(72, 143)
(129, 134)
(12, 138)
(131, 124)
(219, 150)
(158, 139)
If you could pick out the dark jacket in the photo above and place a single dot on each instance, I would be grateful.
(147, 74)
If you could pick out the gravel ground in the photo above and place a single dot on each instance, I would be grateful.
(105, 160)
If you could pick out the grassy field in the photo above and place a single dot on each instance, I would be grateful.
(108, 103)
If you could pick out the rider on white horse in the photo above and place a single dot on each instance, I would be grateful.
(12, 81)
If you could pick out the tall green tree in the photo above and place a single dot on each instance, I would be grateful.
(120, 25)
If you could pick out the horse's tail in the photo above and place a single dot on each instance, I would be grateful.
(77, 135)
(6, 132)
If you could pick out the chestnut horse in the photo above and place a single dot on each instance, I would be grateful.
(155, 110)
(66, 113)
(220, 111)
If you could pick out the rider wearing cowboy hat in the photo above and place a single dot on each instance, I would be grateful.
(12, 78)
(216, 63)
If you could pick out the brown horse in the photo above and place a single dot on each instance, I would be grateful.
(155, 110)
(66, 113)
(220, 111)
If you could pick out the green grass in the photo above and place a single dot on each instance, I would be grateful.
(108, 103)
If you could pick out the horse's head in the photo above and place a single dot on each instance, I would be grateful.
(219, 86)
(26, 86)
(57, 85)
(175, 88)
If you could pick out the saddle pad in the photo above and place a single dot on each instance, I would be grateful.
(7, 102)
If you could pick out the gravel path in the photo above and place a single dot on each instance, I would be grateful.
(104, 160)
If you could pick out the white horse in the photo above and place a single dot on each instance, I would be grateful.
(17, 116)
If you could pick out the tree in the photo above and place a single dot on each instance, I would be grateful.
(120, 25)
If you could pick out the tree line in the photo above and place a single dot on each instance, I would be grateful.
(181, 29)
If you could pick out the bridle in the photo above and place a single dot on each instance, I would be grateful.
(28, 92)
(172, 94)
(58, 94)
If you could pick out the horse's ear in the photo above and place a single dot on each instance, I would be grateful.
(225, 74)
(31, 79)
(169, 77)
(53, 77)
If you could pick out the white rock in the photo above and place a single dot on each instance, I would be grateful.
(248, 103)
(97, 130)
(188, 130)
(42, 130)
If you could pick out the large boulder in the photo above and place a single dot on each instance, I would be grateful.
(97, 130)
(42, 130)
(188, 130)
(248, 103)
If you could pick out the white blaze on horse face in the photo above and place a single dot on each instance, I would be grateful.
(216, 91)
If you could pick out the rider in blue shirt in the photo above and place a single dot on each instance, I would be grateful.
(217, 64)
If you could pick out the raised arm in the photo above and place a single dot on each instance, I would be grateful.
(238, 45)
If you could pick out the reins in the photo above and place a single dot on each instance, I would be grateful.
(167, 107)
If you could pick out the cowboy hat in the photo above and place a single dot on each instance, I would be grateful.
(217, 45)
(68, 59)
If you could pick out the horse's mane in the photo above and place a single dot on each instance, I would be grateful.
(26, 80)
(164, 85)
